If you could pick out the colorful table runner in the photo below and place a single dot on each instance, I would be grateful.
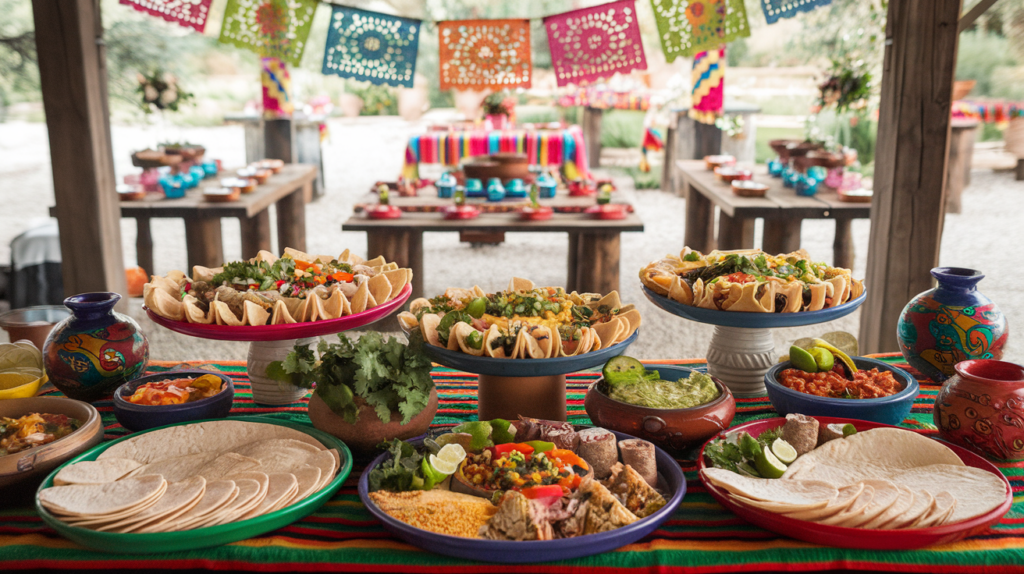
(542, 147)
(990, 112)
(605, 99)
(343, 537)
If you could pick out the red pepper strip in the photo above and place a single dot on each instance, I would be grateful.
(506, 448)
(302, 265)
(738, 277)
(566, 457)
(342, 276)
(570, 483)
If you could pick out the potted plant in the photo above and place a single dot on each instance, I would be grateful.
(365, 392)
(498, 111)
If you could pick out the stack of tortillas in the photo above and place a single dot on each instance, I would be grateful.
(882, 478)
(191, 476)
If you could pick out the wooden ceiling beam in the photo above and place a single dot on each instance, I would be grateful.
(971, 16)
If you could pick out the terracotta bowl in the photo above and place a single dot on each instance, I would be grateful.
(34, 464)
(222, 194)
(460, 484)
(713, 161)
(749, 188)
(33, 323)
(781, 147)
(671, 429)
(131, 192)
(729, 174)
(364, 436)
(243, 184)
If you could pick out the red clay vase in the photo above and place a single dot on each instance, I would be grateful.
(981, 407)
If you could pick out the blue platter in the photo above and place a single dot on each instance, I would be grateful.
(526, 367)
(513, 552)
(753, 320)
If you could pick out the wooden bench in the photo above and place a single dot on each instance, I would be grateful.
(782, 209)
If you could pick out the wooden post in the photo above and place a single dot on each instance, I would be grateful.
(707, 140)
(291, 219)
(781, 235)
(597, 262)
(910, 169)
(73, 78)
(256, 235)
(144, 244)
(735, 232)
(592, 135)
(700, 220)
(668, 168)
(279, 139)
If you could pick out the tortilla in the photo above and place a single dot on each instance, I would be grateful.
(428, 325)
(176, 500)
(495, 351)
(847, 496)
(361, 300)
(886, 494)
(460, 334)
(398, 278)
(855, 509)
(281, 314)
(227, 465)
(328, 462)
(278, 455)
(407, 321)
(803, 492)
(281, 486)
(609, 331)
(379, 287)
(898, 510)
(101, 499)
(248, 490)
(545, 340)
(223, 315)
(308, 479)
(194, 313)
(977, 491)
(945, 503)
(200, 273)
(334, 305)
(923, 505)
(175, 468)
(375, 262)
(209, 436)
(520, 284)
(96, 471)
(217, 494)
(163, 304)
(254, 314)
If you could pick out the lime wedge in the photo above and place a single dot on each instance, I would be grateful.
(769, 465)
(824, 359)
(803, 360)
(842, 356)
(620, 369)
(849, 429)
(784, 451)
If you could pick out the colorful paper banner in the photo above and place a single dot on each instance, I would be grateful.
(277, 89)
(594, 43)
(708, 79)
(191, 14)
(485, 54)
(775, 9)
(687, 27)
(372, 47)
(271, 28)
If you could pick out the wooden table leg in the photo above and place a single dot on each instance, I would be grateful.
(571, 281)
(203, 241)
(592, 135)
(291, 220)
(402, 246)
(700, 220)
(781, 235)
(414, 247)
(597, 263)
(735, 232)
(669, 181)
(842, 247)
(144, 244)
(256, 234)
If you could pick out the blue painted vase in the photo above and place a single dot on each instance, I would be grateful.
(547, 185)
(445, 186)
(95, 350)
(475, 188)
(949, 324)
(495, 191)
(516, 189)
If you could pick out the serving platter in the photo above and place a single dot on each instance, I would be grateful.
(861, 538)
(200, 537)
(520, 552)
(742, 348)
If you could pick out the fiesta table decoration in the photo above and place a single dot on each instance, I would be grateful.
(603, 98)
(190, 14)
(776, 9)
(277, 89)
(594, 43)
(271, 28)
(687, 27)
(371, 47)
(708, 78)
(485, 54)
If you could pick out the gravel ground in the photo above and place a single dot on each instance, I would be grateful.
(364, 150)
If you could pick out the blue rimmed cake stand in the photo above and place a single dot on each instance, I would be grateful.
(742, 348)
(528, 387)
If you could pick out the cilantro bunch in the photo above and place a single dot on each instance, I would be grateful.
(389, 375)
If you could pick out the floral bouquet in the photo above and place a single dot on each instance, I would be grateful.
(160, 89)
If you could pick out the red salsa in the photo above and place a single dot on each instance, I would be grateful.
(870, 384)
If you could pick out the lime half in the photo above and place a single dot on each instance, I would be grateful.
(769, 465)
(621, 368)
(803, 360)
(447, 460)
(784, 451)
(824, 359)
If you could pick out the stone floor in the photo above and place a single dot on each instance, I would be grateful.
(364, 150)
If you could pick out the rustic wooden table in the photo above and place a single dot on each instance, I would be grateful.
(289, 190)
(593, 262)
(782, 210)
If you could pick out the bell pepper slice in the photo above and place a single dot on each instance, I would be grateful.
(570, 483)
(566, 457)
(506, 448)
(541, 446)
(546, 494)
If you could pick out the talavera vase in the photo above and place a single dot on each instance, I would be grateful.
(949, 324)
(95, 350)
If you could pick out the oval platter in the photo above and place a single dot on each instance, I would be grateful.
(521, 552)
(862, 538)
(526, 367)
(753, 320)
(200, 537)
(284, 331)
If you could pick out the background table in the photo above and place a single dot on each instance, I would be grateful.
(782, 209)
(289, 190)
(593, 262)
(344, 537)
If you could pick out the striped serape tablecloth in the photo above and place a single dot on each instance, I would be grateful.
(343, 537)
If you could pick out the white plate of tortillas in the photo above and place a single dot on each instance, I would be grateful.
(881, 488)
(193, 485)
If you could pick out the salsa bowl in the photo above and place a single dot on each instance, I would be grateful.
(671, 429)
(889, 410)
(143, 417)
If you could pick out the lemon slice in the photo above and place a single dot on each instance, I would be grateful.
(784, 451)
(838, 353)
(447, 460)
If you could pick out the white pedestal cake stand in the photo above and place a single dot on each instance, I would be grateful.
(742, 348)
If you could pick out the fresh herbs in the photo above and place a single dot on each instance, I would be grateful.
(444, 328)
(399, 473)
(286, 275)
(726, 452)
(386, 374)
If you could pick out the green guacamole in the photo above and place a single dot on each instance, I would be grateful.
(657, 393)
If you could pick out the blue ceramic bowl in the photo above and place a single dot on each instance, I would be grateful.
(889, 410)
(140, 417)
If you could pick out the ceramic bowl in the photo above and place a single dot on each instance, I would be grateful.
(131, 192)
(749, 188)
(141, 417)
(24, 390)
(671, 429)
(713, 161)
(889, 410)
(33, 323)
(222, 194)
(729, 174)
(35, 463)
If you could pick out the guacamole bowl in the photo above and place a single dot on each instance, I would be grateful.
(672, 429)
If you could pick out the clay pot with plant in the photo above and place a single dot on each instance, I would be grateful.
(365, 392)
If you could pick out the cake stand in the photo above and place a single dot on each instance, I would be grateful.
(742, 348)
(268, 343)
(528, 387)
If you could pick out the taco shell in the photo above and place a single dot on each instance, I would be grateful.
(489, 336)
(194, 314)
(254, 314)
(461, 332)
(398, 279)
(280, 314)
(380, 288)
(428, 325)
(163, 304)
(520, 284)
(361, 299)
(223, 315)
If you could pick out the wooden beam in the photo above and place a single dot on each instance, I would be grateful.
(968, 19)
(913, 138)
(73, 78)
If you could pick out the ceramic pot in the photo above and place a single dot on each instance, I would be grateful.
(981, 407)
(368, 431)
(951, 323)
(96, 349)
